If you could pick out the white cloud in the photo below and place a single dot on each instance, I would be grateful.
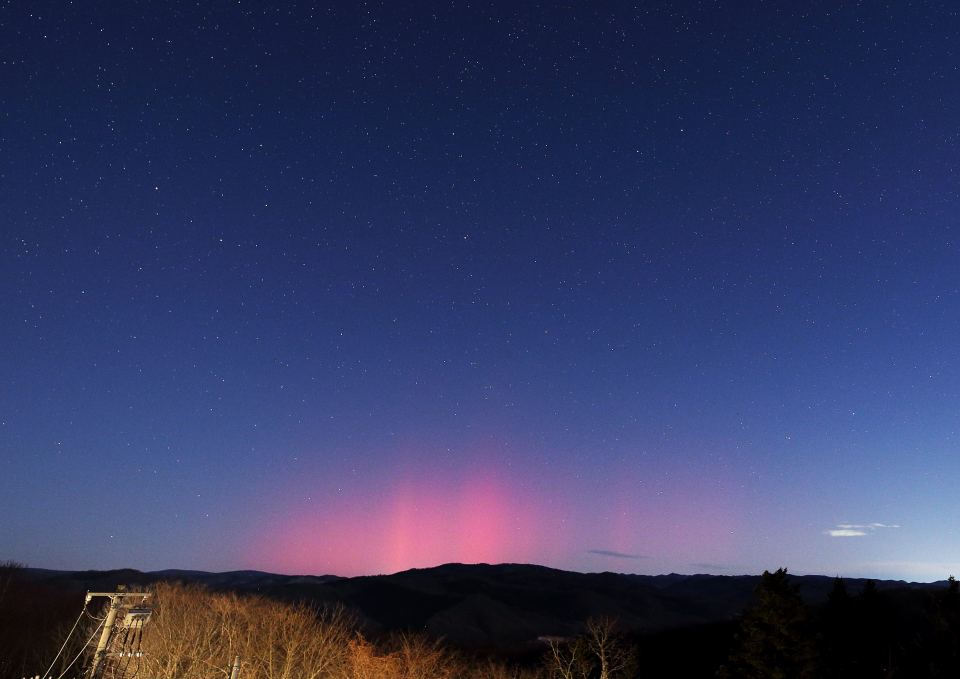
(847, 530)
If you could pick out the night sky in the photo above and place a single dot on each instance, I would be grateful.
(359, 287)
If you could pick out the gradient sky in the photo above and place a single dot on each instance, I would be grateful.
(361, 287)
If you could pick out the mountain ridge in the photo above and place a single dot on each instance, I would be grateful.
(492, 606)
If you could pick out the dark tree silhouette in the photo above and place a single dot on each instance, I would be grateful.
(10, 572)
(873, 635)
(837, 654)
(34, 621)
(774, 641)
(945, 616)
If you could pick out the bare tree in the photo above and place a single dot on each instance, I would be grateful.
(614, 656)
(601, 653)
(198, 633)
(366, 661)
(10, 571)
(497, 669)
(569, 659)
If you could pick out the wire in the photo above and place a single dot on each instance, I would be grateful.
(135, 653)
(72, 629)
(123, 646)
(93, 617)
(81, 650)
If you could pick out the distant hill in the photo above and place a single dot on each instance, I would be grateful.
(107, 581)
(492, 606)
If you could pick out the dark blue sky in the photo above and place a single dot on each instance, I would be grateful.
(357, 288)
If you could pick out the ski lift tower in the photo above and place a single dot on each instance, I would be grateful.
(117, 603)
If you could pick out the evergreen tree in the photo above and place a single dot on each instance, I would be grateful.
(872, 636)
(839, 598)
(945, 615)
(774, 641)
(837, 644)
(869, 595)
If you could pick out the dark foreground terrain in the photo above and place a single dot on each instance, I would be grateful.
(682, 625)
(503, 606)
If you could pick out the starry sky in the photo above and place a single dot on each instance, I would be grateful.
(353, 288)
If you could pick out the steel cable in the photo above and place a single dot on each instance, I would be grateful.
(81, 650)
(65, 641)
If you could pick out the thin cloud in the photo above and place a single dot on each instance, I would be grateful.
(847, 530)
(619, 555)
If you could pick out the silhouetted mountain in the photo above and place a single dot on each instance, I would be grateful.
(107, 581)
(504, 606)
(243, 579)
